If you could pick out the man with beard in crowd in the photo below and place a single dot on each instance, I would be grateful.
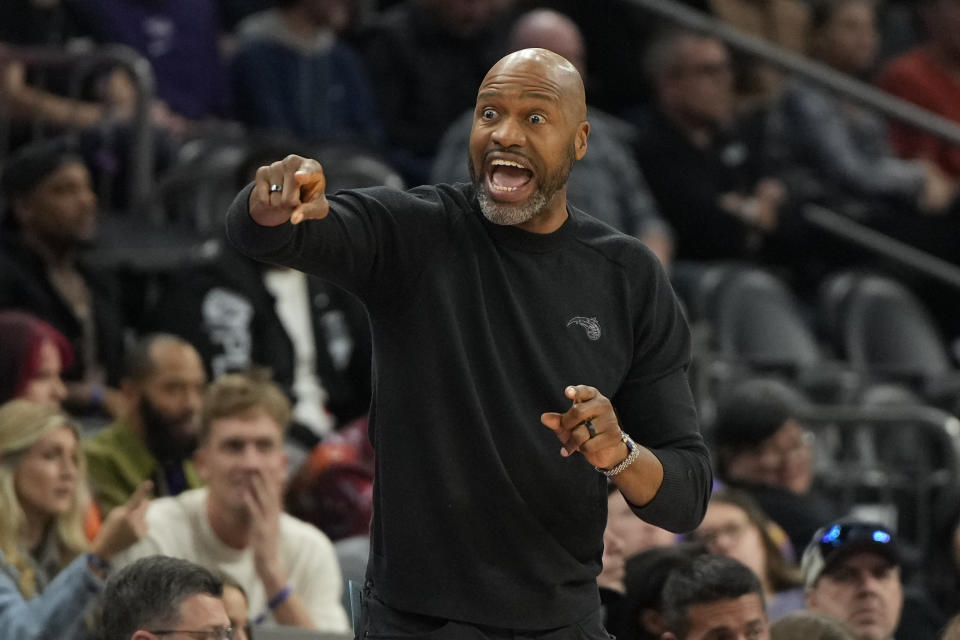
(164, 389)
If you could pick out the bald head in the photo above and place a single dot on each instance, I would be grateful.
(541, 71)
(529, 128)
(551, 30)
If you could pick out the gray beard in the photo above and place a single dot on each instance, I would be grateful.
(513, 214)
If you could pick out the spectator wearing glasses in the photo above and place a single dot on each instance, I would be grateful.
(734, 526)
(163, 597)
(700, 167)
(763, 449)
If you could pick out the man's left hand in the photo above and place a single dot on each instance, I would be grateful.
(590, 426)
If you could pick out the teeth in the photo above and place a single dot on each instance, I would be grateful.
(507, 163)
(498, 188)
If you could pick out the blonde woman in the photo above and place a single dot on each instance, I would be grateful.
(735, 526)
(49, 574)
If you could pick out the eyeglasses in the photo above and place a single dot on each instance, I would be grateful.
(840, 534)
(217, 633)
(731, 530)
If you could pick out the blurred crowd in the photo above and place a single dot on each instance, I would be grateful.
(162, 394)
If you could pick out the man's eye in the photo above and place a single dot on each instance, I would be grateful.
(488, 114)
(537, 118)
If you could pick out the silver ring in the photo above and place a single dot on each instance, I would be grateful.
(592, 430)
(276, 188)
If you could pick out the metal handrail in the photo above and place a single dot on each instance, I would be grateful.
(140, 161)
(882, 244)
(820, 74)
(945, 431)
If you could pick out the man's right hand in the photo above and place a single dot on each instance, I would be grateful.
(291, 190)
(124, 525)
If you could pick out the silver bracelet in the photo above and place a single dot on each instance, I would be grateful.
(633, 452)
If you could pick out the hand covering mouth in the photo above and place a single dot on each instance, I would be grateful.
(505, 176)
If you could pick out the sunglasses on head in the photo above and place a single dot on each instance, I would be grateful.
(840, 534)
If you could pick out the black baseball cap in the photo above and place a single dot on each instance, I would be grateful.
(839, 540)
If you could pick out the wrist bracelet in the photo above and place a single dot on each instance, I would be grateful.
(280, 598)
(633, 452)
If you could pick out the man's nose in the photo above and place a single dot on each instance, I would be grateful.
(508, 133)
(250, 458)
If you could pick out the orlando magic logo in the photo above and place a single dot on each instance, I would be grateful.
(590, 325)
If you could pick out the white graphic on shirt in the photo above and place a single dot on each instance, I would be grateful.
(590, 325)
(226, 318)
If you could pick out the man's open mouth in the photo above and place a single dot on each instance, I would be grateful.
(508, 180)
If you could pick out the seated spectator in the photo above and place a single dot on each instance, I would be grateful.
(835, 152)
(32, 356)
(941, 565)
(762, 449)
(50, 576)
(157, 435)
(160, 597)
(699, 169)
(927, 76)
(606, 183)
(735, 526)
(612, 567)
(713, 597)
(851, 570)
(852, 573)
(236, 524)
(292, 74)
(180, 40)
(635, 534)
(952, 631)
(639, 614)
(51, 218)
(426, 59)
(238, 609)
(781, 22)
(40, 100)
(806, 625)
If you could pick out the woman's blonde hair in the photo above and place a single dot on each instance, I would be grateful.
(23, 423)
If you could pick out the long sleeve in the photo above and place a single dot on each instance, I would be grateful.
(823, 138)
(655, 406)
(56, 613)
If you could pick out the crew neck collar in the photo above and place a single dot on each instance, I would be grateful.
(513, 237)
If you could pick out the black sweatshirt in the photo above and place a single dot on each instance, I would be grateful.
(477, 330)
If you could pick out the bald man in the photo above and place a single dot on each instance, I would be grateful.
(525, 354)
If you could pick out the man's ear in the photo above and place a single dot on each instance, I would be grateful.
(652, 620)
(580, 144)
(142, 635)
